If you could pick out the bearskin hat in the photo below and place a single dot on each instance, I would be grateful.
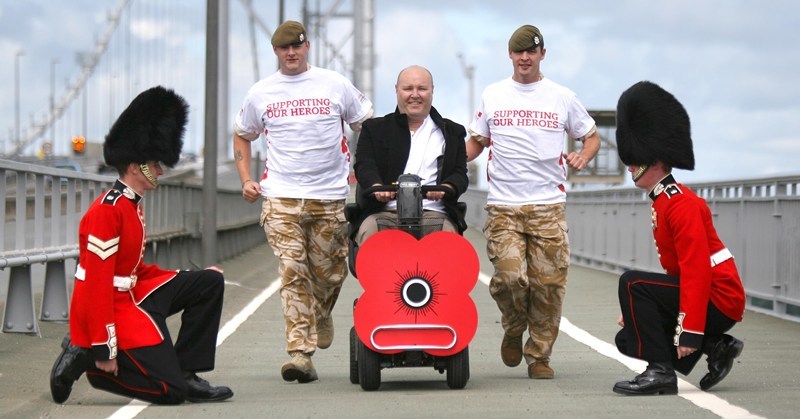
(653, 126)
(150, 129)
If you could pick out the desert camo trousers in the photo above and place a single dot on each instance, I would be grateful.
(309, 237)
(529, 248)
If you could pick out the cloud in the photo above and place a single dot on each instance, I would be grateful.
(420, 31)
(731, 64)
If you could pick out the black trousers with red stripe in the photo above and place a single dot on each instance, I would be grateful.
(650, 303)
(156, 373)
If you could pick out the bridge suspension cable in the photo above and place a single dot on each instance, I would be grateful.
(89, 63)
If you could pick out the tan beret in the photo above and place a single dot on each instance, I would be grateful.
(289, 33)
(526, 38)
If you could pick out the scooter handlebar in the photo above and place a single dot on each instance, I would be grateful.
(379, 188)
(448, 192)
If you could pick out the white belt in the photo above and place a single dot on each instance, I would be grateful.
(122, 283)
(720, 257)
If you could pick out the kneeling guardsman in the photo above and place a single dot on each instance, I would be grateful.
(118, 331)
(670, 320)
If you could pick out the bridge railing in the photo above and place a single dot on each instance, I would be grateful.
(757, 219)
(42, 207)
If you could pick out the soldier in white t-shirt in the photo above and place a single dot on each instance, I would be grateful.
(524, 120)
(302, 110)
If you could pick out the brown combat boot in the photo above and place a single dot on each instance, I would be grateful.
(299, 368)
(540, 370)
(324, 332)
(511, 350)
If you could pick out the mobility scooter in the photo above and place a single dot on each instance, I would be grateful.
(416, 310)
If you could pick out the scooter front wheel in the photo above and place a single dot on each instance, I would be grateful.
(353, 356)
(369, 367)
(458, 369)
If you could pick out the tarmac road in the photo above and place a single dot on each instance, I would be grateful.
(764, 381)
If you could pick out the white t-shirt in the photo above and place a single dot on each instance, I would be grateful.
(526, 125)
(302, 117)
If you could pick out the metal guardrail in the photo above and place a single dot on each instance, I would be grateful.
(41, 210)
(757, 219)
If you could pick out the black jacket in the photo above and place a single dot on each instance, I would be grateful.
(382, 153)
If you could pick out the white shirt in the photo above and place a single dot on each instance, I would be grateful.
(301, 116)
(527, 125)
(427, 145)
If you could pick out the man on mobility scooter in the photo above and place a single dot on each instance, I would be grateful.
(413, 139)
(416, 309)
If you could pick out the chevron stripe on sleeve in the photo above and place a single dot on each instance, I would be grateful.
(103, 249)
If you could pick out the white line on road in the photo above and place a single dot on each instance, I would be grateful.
(132, 409)
(246, 312)
(686, 390)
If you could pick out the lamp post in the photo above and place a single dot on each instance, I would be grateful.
(17, 138)
(469, 73)
(53, 63)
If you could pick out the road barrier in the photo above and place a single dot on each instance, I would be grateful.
(43, 228)
(757, 219)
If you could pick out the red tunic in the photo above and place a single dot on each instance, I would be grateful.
(111, 238)
(686, 239)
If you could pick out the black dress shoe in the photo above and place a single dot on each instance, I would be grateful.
(69, 366)
(199, 390)
(720, 360)
(658, 378)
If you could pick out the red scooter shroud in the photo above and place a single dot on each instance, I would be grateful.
(416, 293)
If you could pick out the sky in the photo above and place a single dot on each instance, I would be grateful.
(731, 63)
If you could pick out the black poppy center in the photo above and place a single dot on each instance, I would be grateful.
(416, 292)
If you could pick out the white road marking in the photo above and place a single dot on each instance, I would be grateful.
(686, 390)
(132, 409)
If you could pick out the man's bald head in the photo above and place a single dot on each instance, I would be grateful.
(414, 69)
(414, 90)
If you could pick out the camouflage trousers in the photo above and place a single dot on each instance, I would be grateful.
(529, 248)
(309, 237)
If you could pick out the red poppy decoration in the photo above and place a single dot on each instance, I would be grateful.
(416, 293)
